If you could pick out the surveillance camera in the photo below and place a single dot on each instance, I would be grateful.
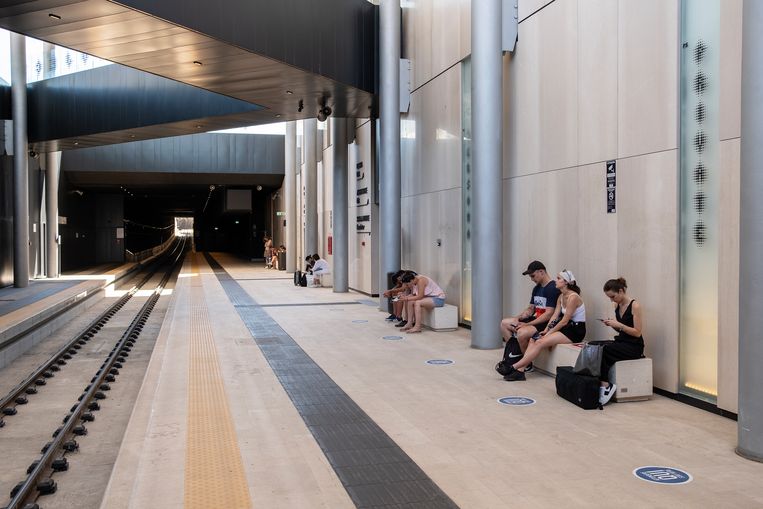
(259, 188)
(324, 113)
(33, 154)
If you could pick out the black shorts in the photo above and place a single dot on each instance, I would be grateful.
(574, 331)
(538, 326)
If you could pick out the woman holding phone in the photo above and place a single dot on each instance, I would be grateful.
(567, 324)
(628, 344)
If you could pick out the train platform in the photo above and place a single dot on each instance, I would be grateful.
(262, 394)
(25, 309)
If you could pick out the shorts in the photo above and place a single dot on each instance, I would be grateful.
(574, 331)
(438, 301)
(538, 326)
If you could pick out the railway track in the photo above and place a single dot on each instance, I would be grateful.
(120, 327)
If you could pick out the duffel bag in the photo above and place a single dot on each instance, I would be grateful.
(582, 390)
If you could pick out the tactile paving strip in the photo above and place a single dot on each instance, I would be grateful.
(372, 468)
(214, 471)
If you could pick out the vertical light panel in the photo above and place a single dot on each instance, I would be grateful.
(700, 167)
(466, 191)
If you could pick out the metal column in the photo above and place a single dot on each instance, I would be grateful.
(487, 101)
(389, 143)
(750, 421)
(339, 205)
(20, 163)
(290, 185)
(52, 172)
(310, 179)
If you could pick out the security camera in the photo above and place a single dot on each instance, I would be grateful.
(33, 154)
(324, 113)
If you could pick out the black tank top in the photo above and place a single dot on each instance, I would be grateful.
(627, 320)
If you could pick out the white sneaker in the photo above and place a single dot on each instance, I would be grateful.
(606, 393)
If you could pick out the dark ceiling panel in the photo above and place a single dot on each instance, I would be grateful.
(255, 51)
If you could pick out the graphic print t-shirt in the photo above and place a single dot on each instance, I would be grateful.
(544, 297)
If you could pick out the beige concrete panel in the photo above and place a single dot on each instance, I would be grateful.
(363, 266)
(597, 247)
(647, 253)
(597, 79)
(541, 98)
(731, 70)
(528, 7)
(728, 277)
(326, 202)
(417, 39)
(540, 223)
(431, 160)
(648, 76)
(426, 218)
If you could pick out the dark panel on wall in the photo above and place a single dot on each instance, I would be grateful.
(5, 101)
(206, 154)
(109, 218)
(333, 38)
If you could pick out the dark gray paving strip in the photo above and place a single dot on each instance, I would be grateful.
(372, 468)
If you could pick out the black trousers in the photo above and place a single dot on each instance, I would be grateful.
(618, 351)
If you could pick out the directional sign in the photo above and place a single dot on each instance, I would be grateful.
(663, 475)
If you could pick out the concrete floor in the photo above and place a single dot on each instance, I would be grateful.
(446, 418)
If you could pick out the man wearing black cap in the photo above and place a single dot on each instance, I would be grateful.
(537, 315)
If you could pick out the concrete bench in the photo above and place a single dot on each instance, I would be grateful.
(633, 378)
(441, 319)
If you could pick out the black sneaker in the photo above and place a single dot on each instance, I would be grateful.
(390, 318)
(515, 376)
(503, 368)
(530, 368)
(402, 323)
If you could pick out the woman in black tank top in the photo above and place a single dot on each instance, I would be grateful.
(629, 343)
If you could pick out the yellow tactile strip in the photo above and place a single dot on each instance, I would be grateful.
(214, 472)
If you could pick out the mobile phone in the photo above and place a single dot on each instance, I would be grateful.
(601, 319)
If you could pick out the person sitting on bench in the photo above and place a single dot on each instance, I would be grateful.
(568, 320)
(629, 343)
(425, 293)
(320, 268)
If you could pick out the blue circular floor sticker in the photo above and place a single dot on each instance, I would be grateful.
(439, 362)
(360, 321)
(663, 475)
(516, 401)
(393, 338)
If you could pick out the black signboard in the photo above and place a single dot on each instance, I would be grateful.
(611, 192)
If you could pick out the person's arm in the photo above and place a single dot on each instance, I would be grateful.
(634, 331)
(573, 303)
(554, 316)
(421, 286)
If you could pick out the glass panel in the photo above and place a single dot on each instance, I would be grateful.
(466, 190)
(699, 198)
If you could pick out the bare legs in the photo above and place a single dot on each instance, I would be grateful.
(413, 312)
(524, 332)
(535, 347)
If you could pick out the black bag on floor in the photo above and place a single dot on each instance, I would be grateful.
(583, 390)
(512, 353)
(303, 280)
(297, 277)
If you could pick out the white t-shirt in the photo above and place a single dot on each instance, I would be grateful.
(321, 267)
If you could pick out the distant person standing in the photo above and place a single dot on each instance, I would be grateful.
(268, 254)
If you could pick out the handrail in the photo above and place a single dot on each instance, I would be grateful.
(147, 253)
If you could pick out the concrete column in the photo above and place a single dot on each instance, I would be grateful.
(52, 172)
(389, 143)
(339, 205)
(310, 178)
(290, 189)
(487, 296)
(20, 163)
(750, 421)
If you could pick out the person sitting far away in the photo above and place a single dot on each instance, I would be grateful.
(394, 294)
(535, 317)
(274, 257)
(320, 268)
(567, 324)
(425, 293)
(268, 254)
(309, 264)
(629, 343)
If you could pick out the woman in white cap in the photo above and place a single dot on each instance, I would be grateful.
(567, 324)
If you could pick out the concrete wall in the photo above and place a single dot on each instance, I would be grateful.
(585, 85)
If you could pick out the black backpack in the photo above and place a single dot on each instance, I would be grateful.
(297, 277)
(512, 353)
(303, 280)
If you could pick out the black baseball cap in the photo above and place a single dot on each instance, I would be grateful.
(534, 265)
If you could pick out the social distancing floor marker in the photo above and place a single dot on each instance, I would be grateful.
(214, 471)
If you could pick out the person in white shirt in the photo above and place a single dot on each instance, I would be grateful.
(320, 268)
